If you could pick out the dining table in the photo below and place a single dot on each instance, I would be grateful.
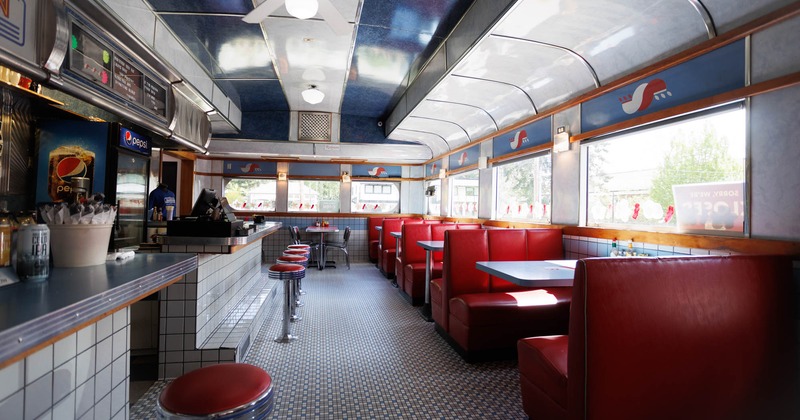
(430, 247)
(546, 273)
(321, 230)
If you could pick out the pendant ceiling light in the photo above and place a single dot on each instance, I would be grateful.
(313, 95)
(302, 9)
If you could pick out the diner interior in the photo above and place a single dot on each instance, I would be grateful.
(512, 209)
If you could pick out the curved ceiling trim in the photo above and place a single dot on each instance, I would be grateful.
(469, 139)
(496, 127)
(577, 56)
(429, 133)
(533, 105)
(707, 20)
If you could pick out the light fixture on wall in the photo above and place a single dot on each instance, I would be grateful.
(442, 173)
(302, 9)
(561, 140)
(281, 176)
(345, 177)
(313, 95)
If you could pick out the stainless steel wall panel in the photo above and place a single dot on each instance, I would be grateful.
(729, 14)
(427, 79)
(775, 174)
(473, 25)
(776, 51)
(506, 104)
(16, 146)
(138, 16)
(615, 36)
(566, 172)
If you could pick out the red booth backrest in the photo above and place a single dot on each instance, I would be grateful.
(372, 222)
(505, 245)
(468, 246)
(437, 234)
(544, 244)
(413, 232)
(684, 337)
(387, 227)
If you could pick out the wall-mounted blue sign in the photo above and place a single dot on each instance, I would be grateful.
(719, 71)
(432, 169)
(132, 140)
(313, 169)
(465, 157)
(533, 134)
(242, 167)
(378, 171)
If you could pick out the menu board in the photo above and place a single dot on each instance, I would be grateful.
(155, 97)
(101, 65)
(127, 80)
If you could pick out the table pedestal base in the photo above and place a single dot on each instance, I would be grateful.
(426, 313)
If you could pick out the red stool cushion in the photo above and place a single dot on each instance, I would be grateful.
(215, 389)
(290, 259)
(295, 252)
(286, 268)
(298, 246)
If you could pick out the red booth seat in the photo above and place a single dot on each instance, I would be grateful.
(373, 236)
(667, 338)
(483, 316)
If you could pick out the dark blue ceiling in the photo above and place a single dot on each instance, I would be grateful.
(394, 39)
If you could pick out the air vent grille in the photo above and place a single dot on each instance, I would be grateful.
(314, 126)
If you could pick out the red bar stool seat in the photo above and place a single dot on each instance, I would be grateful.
(287, 273)
(299, 246)
(297, 284)
(224, 391)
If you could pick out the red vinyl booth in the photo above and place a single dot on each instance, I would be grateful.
(411, 262)
(483, 316)
(373, 236)
(669, 338)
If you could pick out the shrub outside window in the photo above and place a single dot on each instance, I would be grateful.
(250, 194)
(464, 190)
(523, 189)
(374, 197)
(682, 176)
(314, 196)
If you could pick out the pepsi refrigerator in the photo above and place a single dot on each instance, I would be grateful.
(115, 158)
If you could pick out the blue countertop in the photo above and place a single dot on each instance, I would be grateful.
(33, 314)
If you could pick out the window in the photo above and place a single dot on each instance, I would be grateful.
(250, 194)
(433, 195)
(375, 197)
(316, 196)
(682, 176)
(523, 189)
(464, 194)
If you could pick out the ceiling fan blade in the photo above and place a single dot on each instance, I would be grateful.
(334, 19)
(262, 11)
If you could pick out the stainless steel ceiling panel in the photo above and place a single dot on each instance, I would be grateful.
(452, 133)
(481, 16)
(548, 75)
(729, 14)
(167, 46)
(309, 54)
(504, 103)
(473, 121)
(432, 141)
(616, 37)
(427, 79)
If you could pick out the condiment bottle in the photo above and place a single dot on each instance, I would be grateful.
(614, 251)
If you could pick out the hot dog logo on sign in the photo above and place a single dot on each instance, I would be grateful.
(520, 138)
(463, 159)
(250, 168)
(378, 172)
(12, 21)
(644, 95)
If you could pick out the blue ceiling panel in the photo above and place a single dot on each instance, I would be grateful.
(202, 6)
(223, 45)
(259, 95)
(412, 18)
(355, 129)
(267, 125)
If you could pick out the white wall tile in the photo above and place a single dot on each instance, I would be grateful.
(102, 384)
(84, 368)
(12, 407)
(102, 410)
(119, 370)
(64, 379)
(119, 343)
(39, 396)
(86, 338)
(38, 364)
(103, 354)
(120, 318)
(65, 409)
(105, 327)
(12, 379)
(65, 349)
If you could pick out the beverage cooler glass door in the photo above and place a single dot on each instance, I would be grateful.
(132, 174)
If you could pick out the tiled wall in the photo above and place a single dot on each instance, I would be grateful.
(193, 309)
(357, 247)
(82, 376)
(577, 247)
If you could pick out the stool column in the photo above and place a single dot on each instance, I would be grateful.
(287, 273)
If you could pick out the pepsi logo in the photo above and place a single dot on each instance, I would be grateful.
(643, 96)
(128, 137)
(520, 138)
(69, 167)
(463, 158)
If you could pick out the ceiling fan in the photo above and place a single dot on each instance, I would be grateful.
(302, 9)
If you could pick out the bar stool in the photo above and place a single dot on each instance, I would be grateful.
(297, 283)
(227, 390)
(286, 273)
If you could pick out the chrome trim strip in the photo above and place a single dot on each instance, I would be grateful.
(496, 128)
(533, 105)
(60, 47)
(711, 29)
(261, 231)
(557, 47)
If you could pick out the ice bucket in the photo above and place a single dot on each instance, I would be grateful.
(79, 245)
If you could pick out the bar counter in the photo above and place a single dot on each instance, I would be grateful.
(222, 245)
(34, 314)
